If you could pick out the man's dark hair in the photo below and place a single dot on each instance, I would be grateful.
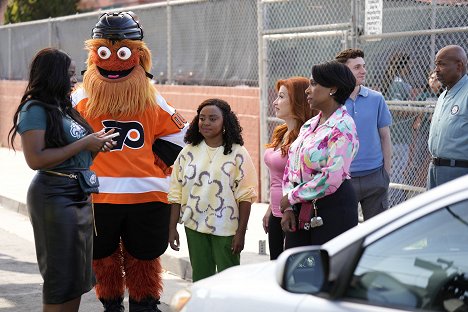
(347, 54)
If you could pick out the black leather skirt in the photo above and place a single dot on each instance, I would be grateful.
(62, 220)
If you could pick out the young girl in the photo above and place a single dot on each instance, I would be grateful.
(213, 185)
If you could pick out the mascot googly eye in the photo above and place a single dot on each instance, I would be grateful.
(104, 53)
(124, 53)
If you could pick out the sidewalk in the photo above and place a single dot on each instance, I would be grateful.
(15, 176)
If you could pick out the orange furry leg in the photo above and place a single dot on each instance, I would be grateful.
(110, 277)
(143, 278)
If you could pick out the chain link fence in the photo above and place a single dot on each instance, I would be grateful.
(296, 34)
(256, 42)
(401, 59)
(198, 42)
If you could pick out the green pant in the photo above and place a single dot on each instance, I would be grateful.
(209, 253)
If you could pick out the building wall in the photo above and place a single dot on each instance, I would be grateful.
(10, 96)
(243, 100)
(3, 6)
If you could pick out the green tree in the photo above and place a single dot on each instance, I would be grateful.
(29, 10)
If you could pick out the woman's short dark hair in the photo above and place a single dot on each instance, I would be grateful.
(334, 74)
(232, 130)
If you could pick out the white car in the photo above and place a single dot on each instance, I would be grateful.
(413, 257)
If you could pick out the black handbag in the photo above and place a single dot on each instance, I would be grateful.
(89, 181)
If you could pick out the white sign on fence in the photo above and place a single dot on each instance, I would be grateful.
(373, 17)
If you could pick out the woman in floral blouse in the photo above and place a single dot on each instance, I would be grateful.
(318, 165)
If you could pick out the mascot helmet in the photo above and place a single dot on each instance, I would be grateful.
(118, 26)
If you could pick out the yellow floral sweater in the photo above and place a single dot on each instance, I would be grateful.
(209, 186)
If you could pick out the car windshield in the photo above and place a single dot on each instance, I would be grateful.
(423, 265)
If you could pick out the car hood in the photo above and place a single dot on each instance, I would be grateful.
(251, 285)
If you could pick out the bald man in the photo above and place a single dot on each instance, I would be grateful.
(448, 136)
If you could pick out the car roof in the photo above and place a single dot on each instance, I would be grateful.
(403, 213)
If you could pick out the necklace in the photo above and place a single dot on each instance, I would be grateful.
(211, 151)
(297, 157)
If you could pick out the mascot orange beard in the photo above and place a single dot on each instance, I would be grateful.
(116, 74)
(116, 83)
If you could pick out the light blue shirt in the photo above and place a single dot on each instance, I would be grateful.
(370, 113)
(448, 135)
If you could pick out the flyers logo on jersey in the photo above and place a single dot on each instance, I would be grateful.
(131, 133)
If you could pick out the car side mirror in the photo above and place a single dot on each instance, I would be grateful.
(303, 269)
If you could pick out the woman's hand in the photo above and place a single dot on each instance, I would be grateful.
(288, 221)
(284, 203)
(238, 242)
(266, 218)
(101, 141)
(174, 239)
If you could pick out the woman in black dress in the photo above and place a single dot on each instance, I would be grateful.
(59, 144)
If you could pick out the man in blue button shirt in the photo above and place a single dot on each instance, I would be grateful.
(448, 135)
(371, 168)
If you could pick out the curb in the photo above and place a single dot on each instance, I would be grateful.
(13, 205)
(179, 266)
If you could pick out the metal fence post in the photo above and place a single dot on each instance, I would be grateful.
(433, 26)
(263, 89)
(49, 28)
(10, 48)
(169, 42)
(354, 24)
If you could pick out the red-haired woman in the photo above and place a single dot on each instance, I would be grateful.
(291, 106)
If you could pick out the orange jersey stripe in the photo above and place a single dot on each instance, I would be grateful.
(130, 198)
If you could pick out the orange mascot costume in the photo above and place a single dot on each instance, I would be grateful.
(131, 209)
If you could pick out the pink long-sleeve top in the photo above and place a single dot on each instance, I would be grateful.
(276, 164)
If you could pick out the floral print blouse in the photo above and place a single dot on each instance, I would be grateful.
(320, 158)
